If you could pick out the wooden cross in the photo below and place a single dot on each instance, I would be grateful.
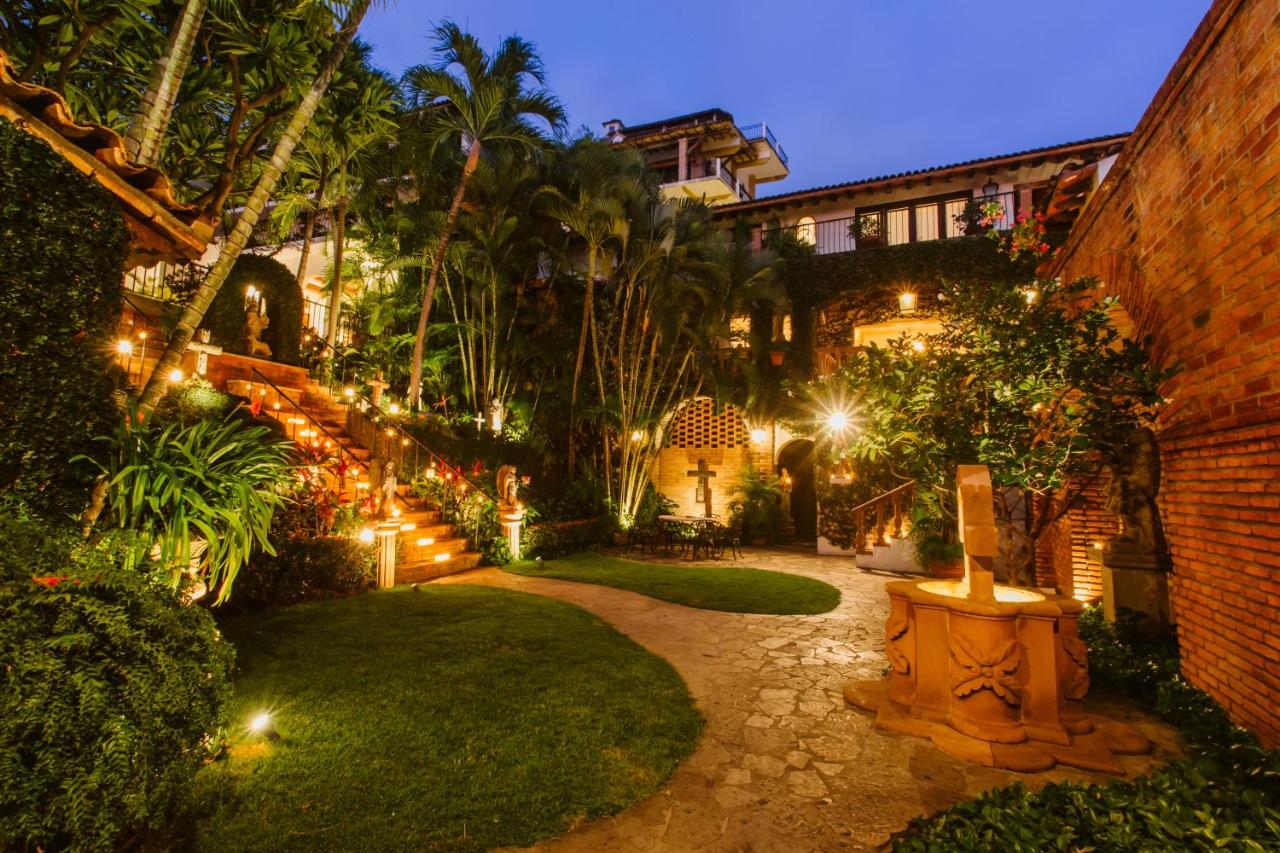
(203, 349)
(703, 492)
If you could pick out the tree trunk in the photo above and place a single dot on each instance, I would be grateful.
(335, 295)
(309, 230)
(194, 312)
(420, 339)
(151, 120)
(587, 310)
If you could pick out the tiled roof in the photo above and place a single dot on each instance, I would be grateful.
(1095, 142)
(145, 191)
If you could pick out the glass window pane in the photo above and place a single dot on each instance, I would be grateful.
(898, 224)
(954, 209)
(927, 222)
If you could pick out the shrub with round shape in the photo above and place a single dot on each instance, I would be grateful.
(109, 693)
(279, 287)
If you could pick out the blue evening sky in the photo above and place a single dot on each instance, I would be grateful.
(851, 89)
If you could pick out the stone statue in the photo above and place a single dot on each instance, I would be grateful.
(387, 489)
(1131, 494)
(508, 487)
(254, 325)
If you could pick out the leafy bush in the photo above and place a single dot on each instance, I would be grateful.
(192, 400)
(757, 505)
(62, 251)
(561, 538)
(279, 287)
(215, 482)
(109, 693)
(305, 570)
(1226, 796)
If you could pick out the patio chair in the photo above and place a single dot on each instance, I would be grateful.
(729, 538)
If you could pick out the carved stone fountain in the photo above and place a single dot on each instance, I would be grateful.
(992, 674)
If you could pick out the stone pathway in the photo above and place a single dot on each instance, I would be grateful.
(784, 763)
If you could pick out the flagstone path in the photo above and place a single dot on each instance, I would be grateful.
(784, 763)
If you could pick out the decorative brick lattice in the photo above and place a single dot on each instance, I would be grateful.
(699, 425)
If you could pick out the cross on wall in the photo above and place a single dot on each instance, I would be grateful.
(703, 491)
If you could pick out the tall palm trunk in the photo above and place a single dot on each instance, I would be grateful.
(191, 316)
(151, 120)
(420, 339)
(309, 230)
(339, 246)
(587, 311)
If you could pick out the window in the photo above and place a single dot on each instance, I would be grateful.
(917, 221)
(807, 230)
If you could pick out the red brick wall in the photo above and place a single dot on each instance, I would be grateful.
(1184, 231)
(1062, 558)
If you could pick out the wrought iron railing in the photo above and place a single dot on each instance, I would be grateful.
(166, 282)
(760, 130)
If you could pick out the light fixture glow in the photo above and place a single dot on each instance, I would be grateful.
(1031, 295)
(395, 512)
(366, 535)
(408, 526)
(837, 421)
(260, 723)
(425, 541)
(348, 392)
(394, 408)
(917, 345)
(759, 436)
(440, 558)
(175, 375)
(124, 347)
(637, 435)
(907, 302)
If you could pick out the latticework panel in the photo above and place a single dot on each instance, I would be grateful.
(699, 426)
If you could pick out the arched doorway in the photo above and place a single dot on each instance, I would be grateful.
(797, 458)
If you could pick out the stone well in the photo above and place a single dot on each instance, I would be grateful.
(992, 674)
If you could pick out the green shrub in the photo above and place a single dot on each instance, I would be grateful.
(757, 505)
(62, 254)
(216, 482)
(305, 570)
(192, 400)
(279, 286)
(561, 538)
(1226, 796)
(110, 693)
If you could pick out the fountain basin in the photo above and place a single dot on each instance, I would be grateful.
(960, 589)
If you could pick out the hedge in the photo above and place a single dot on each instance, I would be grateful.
(63, 245)
(279, 286)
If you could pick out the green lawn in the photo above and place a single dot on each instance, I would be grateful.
(448, 718)
(737, 590)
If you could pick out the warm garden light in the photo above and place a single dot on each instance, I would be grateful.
(917, 346)
(440, 558)
(175, 375)
(759, 436)
(424, 541)
(348, 392)
(394, 408)
(264, 726)
(837, 422)
(637, 436)
(907, 302)
(1031, 295)
(124, 347)
(366, 535)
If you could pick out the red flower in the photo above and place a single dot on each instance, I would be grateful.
(53, 580)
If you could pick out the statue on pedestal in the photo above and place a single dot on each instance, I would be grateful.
(1134, 565)
(387, 489)
(508, 488)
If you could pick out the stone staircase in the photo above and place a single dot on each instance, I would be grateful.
(428, 546)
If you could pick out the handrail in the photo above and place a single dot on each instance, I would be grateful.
(332, 438)
(883, 496)
(437, 458)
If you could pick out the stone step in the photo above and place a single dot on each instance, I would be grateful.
(447, 544)
(431, 569)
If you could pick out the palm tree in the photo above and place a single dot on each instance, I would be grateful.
(490, 101)
(194, 312)
(151, 119)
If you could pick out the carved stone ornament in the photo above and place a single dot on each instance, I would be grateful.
(895, 629)
(1078, 682)
(992, 671)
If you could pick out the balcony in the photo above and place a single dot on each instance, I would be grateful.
(714, 183)
(761, 131)
(896, 224)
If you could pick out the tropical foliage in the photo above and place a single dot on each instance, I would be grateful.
(199, 498)
(1035, 382)
(111, 693)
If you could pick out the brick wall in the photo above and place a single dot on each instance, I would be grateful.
(1063, 558)
(701, 431)
(1184, 231)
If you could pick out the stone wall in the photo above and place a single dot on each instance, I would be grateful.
(700, 430)
(1184, 232)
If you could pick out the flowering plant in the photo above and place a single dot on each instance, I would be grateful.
(1026, 237)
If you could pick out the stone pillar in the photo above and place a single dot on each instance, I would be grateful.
(386, 533)
(682, 166)
(512, 521)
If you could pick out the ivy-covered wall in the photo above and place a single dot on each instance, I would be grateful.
(63, 243)
(855, 288)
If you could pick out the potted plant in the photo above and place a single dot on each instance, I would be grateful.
(865, 231)
(978, 217)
